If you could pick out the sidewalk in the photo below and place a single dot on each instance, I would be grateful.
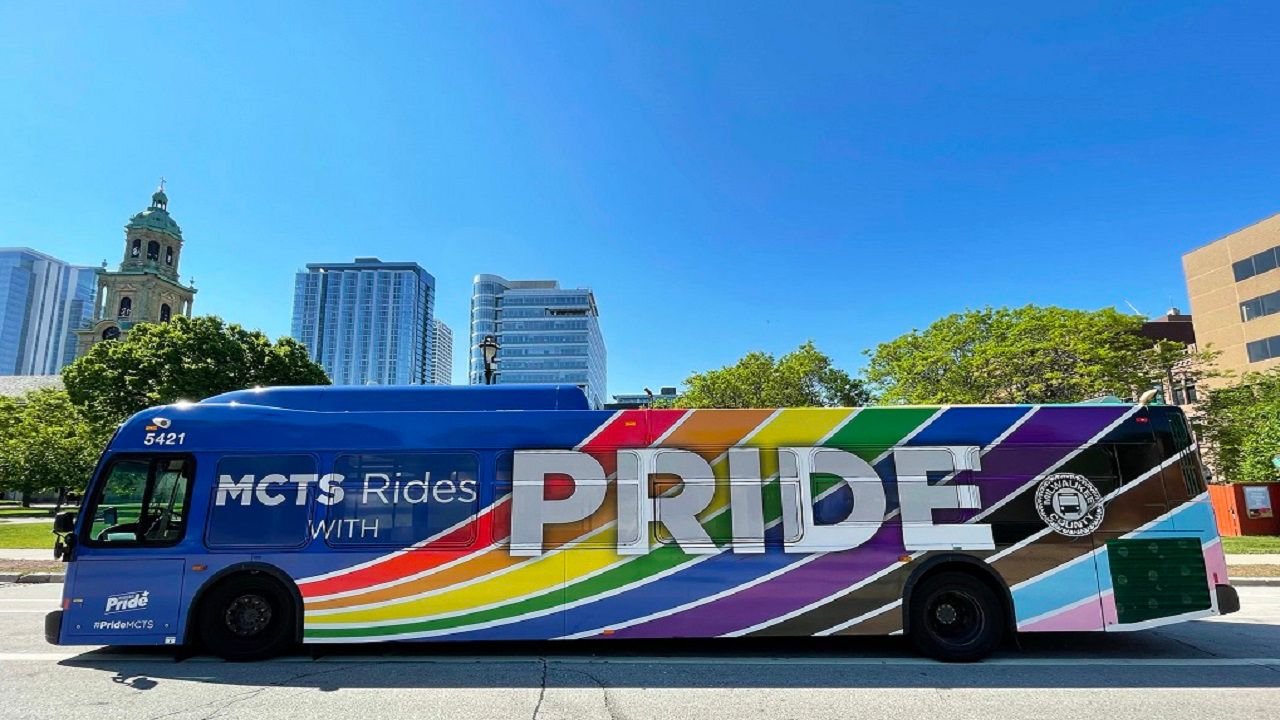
(25, 554)
(1259, 559)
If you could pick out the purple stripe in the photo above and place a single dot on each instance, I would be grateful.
(1005, 469)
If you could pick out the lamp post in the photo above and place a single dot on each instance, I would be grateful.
(489, 348)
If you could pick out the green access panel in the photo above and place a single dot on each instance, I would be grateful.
(1157, 578)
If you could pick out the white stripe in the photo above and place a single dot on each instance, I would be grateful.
(661, 438)
(397, 553)
(1094, 598)
(860, 618)
(449, 588)
(599, 429)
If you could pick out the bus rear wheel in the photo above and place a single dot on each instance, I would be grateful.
(247, 617)
(955, 617)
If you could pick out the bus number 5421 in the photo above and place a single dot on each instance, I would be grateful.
(164, 438)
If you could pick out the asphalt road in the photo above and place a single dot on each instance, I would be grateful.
(1223, 668)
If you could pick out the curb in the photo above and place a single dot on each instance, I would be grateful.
(32, 577)
(1255, 582)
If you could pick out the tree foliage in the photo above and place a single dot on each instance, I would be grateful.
(1029, 354)
(1239, 428)
(805, 377)
(46, 443)
(183, 359)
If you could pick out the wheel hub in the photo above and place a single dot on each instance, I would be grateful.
(946, 614)
(248, 615)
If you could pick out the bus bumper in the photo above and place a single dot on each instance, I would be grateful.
(53, 627)
(1228, 600)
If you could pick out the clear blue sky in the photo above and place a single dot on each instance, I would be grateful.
(727, 176)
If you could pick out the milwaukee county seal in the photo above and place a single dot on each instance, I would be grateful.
(1069, 504)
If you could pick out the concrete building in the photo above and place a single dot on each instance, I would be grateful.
(43, 302)
(1234, 285)
(367, 322)
(633, 401)
(147, 287)
(442, 353)
(545, 334)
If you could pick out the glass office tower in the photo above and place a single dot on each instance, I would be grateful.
(545, 334)
(367, 322)
(43, 301)
(442, 353)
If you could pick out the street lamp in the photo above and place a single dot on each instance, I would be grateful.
(489, 348)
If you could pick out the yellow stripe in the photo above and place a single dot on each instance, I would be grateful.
(542, 574)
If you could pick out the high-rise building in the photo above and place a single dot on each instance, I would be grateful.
(545, 334)
(367, 322)
(1234, 285)
(442, 353)
(146, 288)
(43, 302)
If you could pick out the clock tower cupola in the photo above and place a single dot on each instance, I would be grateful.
(147, 287)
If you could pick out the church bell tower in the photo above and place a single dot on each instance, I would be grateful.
(147, 287)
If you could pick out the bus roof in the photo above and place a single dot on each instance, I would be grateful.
(374, 398)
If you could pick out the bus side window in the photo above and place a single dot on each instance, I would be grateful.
(262, 501)
(404, 499)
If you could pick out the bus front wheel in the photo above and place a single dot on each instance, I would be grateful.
(247, 617)
(955, 617)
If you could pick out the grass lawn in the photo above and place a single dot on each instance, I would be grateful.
(1251, 544)
(26, 535)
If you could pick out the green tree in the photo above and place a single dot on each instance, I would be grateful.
(805, 377)
(46, 444)
(1239, 428)
(183, 359)
(1029, 354)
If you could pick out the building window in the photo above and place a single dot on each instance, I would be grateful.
(1256, 264)
(164, 313)
(1264, 349)
(1191, 394)
(153, 250)
(1260, 306)
(136, 250)
(168, 255)
(111, 333)
(126, 307)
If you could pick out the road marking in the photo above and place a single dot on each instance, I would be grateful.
(91, 657)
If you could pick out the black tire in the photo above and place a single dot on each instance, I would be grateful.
(247, 617)
(955, 617)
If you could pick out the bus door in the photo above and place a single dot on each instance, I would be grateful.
(127, 572)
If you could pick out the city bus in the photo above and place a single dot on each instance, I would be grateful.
(254, 520)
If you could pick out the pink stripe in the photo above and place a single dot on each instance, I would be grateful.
(1086, 616)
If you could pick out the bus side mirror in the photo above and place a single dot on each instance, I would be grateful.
(64, 523)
